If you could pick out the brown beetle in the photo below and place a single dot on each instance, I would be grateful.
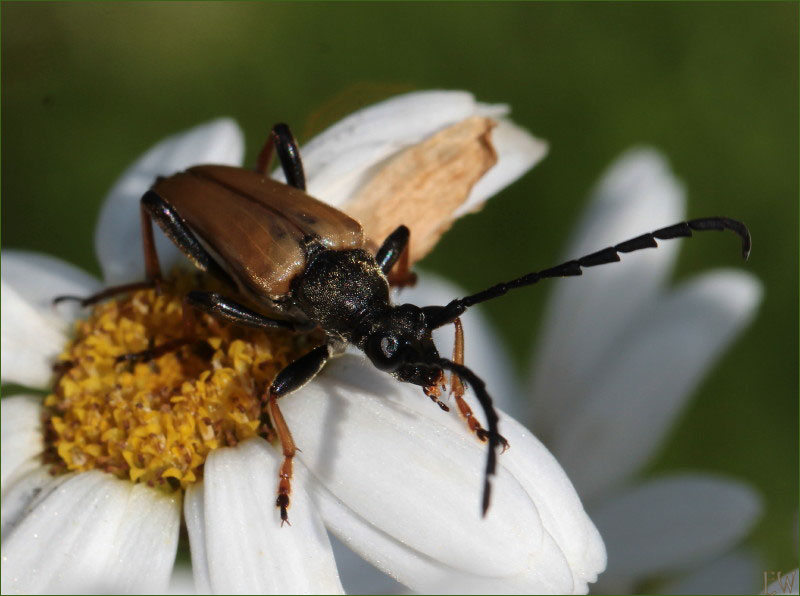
(304, 264)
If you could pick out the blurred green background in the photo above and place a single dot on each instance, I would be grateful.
(87, 87)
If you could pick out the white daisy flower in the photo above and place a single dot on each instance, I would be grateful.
(392, 476)
(619, 355)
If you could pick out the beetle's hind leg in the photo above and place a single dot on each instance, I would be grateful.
(106, 293)
(294, 376)
(282, 140)
(154, 207)
(457, 389)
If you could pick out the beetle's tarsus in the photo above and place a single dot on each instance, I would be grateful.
(283, 502)
(435, 399)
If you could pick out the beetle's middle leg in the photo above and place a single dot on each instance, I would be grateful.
(189, 319)
(219, 307)
(395, 250)
(294, 376)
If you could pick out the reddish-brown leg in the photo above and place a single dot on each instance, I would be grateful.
(189, 318)
(151, 266)
(457, 389)
(401, 275)
(265, 157)
(107, 293)
(289, 449)
(294, 376)
(434, 392)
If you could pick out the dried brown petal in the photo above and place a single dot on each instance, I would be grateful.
(424, 185)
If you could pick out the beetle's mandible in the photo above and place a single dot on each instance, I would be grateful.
(301, 264)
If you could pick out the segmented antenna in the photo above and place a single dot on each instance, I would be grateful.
(494, 438)
(609, 255)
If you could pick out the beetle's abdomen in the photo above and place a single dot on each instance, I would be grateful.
(339, 288)
(254, 226)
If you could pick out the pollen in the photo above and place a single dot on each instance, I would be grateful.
(155, 420)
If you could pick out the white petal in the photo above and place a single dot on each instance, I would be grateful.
(93, 533)
(182, 581)
(402, 484)
(341, 159)
(358, 576)
(246, 549)
(735, 573)
(672, 523)
(30, 483)
(21, 436)
(484, 352)
(29, 343)
(585, 316)
(562, 513)
(145, 542)
(428, 574)
(39, 278)
(640, 387)
(517, 152)
(118, 238)
(194, 515)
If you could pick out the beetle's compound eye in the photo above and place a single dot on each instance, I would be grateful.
(384, 352)
(389, 346)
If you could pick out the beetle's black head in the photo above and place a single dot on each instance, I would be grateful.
(400, 342)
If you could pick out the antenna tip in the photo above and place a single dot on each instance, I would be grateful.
(740, 229)
(747, 244)
(487, 489)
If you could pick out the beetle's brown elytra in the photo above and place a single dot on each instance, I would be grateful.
(293, 262)
(258, 237)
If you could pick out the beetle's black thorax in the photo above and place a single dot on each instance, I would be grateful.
(340, 289)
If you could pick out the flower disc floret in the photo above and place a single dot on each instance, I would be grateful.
(156, 421)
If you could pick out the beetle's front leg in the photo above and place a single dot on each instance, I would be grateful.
(294, 376)
(457, 388)
(395, 248)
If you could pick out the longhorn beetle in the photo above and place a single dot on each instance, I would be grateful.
(306, 265)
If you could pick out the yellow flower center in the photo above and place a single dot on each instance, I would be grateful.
(156, 421)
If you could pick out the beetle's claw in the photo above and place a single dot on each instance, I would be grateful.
(483, 435)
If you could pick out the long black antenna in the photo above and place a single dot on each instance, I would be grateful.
(608, 255)
(495, 439)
